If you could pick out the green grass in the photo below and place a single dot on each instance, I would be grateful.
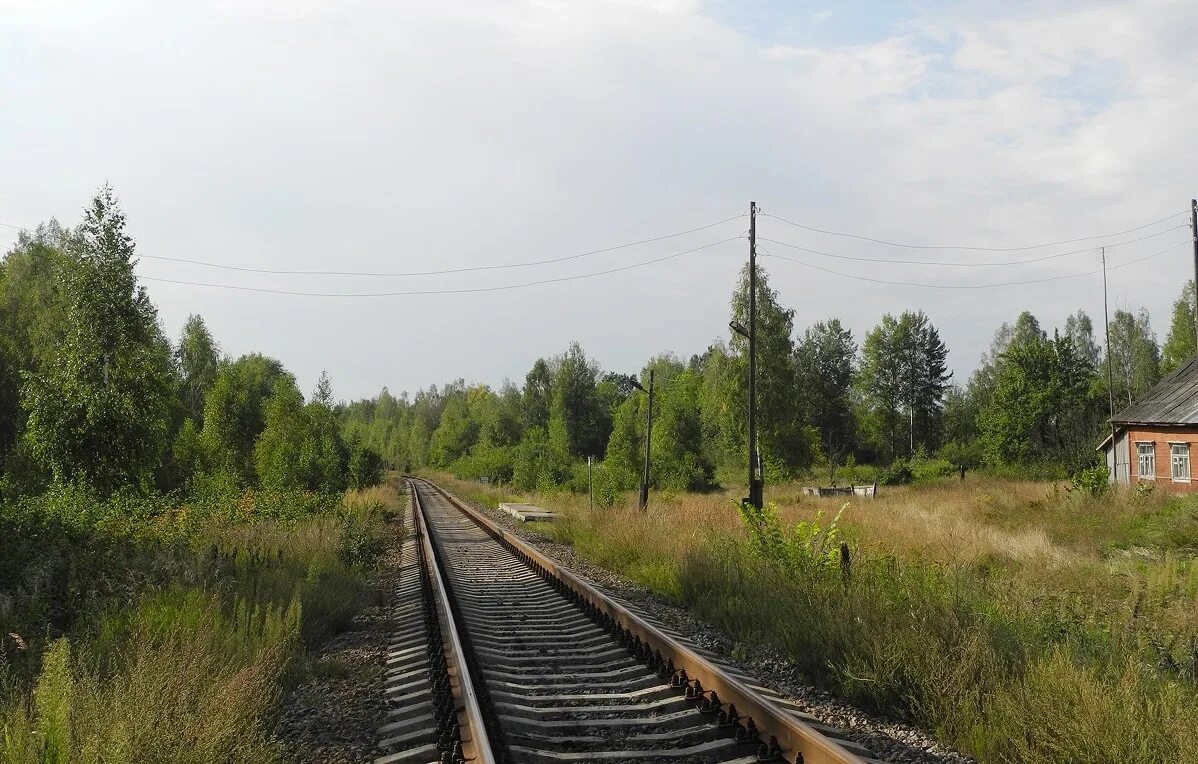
(154, 630)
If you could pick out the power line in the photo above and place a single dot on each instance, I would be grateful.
(959, 264)
(957, 246)
(445, 271)
(970, 286)
(469, 290)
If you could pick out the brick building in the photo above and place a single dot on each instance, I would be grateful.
(1156, 438)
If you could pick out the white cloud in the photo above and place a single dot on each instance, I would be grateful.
(397, 136)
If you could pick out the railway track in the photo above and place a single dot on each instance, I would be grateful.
(506, 656)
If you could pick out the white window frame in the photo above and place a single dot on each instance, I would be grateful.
(1141, 457)
(1179, 453)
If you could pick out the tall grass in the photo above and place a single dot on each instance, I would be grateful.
(168, 632)
(1016, 620)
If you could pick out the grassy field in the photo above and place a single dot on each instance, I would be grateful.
(139, 629)
(1018, 621)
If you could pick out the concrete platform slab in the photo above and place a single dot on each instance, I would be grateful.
(526, 512)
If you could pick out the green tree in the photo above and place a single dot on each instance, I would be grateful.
(235, 413)
(1179, 344)
(1042, 407)
(583, 420)
(1135, 356)
(33, 302)
(904, 377)
(538, 394)
(198, 357)
(457, 431)
(625, 448)
(279, 458)
(825, 359)
(100, 407)
(1080, 331)
(325, 456)
(984, 379)
(499, 418)
(787, 441)
(679, 462)
(722, 412)
(365, 468)
(960, 416)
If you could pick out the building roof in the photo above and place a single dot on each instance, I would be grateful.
(1172, 401)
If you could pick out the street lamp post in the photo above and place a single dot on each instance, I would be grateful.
(644, 499)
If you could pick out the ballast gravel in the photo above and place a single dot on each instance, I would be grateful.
(886, 740)
(333, 717)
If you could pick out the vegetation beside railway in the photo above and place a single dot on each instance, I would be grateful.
(177, 528)
(139, 625)
(1018, 620)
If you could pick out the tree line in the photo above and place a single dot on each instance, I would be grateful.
(1037, 403)
(92, 392)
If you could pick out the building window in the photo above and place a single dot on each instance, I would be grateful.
(1147, 452)
(1180, 460)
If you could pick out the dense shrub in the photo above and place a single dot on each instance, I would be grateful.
(898, 473)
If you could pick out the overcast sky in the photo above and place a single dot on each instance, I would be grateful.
(402, 136)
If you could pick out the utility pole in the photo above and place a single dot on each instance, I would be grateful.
(1194, 235)
(911, 412)
(1110, 372)
(648, 440)
(590, 486)
(755, 484)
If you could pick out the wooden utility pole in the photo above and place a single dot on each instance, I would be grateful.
(1110, 372)
(755, 484)
(1194, 236)
(648, 441)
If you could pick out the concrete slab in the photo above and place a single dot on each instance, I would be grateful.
(526, 512)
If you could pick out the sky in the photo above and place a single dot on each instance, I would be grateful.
(401, 137)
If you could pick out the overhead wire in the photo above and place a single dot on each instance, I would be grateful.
(679, 254)
(969, 286)
(959, 264)
(860, 237)
(465, 290)
(437, 272)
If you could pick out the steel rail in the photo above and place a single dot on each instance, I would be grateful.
(478, 747)
(784, 737)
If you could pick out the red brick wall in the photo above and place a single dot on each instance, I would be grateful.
(1161, 439)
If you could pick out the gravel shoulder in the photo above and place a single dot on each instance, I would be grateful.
(887, 740)
(334, 715)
